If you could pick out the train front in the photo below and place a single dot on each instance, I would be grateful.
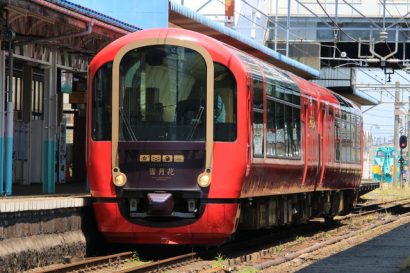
(157, 110)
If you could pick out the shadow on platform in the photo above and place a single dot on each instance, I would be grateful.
(60, 189)
(383, 254)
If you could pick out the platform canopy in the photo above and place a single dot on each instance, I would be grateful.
(60, 24)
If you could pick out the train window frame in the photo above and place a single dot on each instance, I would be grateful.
(258, 135)
(229, 102)
(105, 108)
(156, 113)
(347, 137)
(291, 126)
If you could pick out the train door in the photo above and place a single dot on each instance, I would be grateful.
(312, 148)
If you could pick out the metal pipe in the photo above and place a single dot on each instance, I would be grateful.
(287, 30)
(384, 15)
(201, 7)
(9, 127)
(384, 58)
(408, 137)
(396, 131)
(276, 26)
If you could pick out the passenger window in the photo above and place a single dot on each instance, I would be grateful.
(224, 104)
(283, 121)
(258, 136)
(347, 137)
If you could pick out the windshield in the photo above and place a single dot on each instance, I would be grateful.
(162, 94)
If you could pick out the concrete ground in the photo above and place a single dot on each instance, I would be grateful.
(388, 253)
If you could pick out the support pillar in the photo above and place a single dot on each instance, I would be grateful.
(396, 133)
(2, 100)
(50, 126)
(8, 140)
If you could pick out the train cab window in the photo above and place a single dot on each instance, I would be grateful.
(283, 120)
(101, 103)
(224, 104)
(163, 94)
(258, 135)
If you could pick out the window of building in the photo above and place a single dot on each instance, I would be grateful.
(37, 97)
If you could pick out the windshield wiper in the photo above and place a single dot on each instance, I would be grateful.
(127, 125)
(196, 121)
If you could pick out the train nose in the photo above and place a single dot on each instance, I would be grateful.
(160, 203)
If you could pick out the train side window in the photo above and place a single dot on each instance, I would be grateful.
(224, 104)
(283, 122)
(357, 137)
(270, 129)
(337, 139)
(347, 137)
(101, 103)
(258, 135)
(280, 128)
(296, 132)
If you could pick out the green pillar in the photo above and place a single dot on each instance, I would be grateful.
(50, 126)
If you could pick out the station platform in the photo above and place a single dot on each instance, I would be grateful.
(387, 253)
(36, 230)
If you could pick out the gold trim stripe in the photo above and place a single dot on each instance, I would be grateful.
(210, 94)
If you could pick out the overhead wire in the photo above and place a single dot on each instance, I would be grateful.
(306, 53)
(335, 24)
(364, 16)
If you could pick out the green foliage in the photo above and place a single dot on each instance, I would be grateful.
(300, 239)
(278, 249)
(219, 261)
(135, 256)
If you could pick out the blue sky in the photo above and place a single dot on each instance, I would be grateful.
(138, 13)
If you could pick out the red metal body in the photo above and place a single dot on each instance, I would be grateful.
(236, 174)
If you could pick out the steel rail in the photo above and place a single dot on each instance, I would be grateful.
(112, 261)
(169, 262)
(92, 262)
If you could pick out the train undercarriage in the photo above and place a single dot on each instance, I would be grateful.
(270, 211)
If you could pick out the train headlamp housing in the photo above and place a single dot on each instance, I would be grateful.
(204, 179)
(120, 179)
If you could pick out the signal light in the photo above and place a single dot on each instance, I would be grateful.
(403, 142)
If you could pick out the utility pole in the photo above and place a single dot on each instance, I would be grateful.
(396, 133)
(408, 143)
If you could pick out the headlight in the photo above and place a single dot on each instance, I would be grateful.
(204, 180)
(120, 179)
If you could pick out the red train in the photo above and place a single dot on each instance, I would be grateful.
(190, 139)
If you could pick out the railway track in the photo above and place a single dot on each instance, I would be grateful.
(121, 263)
(244, 250)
